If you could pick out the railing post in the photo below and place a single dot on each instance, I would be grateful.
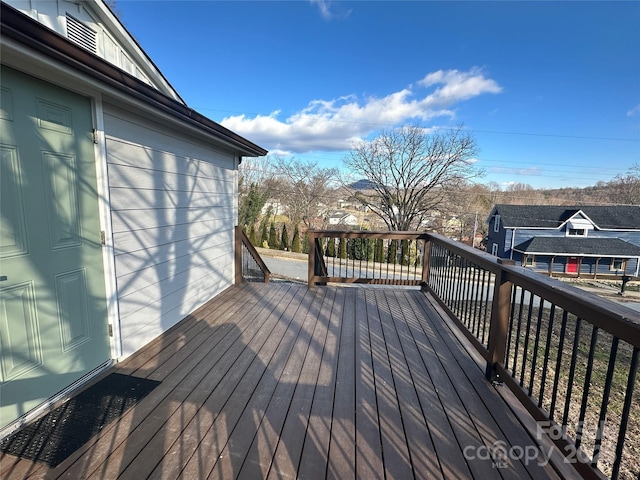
(499, 326)
(238, 254)
(426, 257)
(311, 235)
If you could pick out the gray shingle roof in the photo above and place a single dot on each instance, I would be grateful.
(606, 247)
(617, 217)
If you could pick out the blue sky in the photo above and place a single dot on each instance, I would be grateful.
(550, 90)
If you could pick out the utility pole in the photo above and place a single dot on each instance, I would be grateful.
(475, 229)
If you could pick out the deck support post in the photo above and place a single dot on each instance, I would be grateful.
(311, 272)
(499, 326)
(426, 257)
(238, 254)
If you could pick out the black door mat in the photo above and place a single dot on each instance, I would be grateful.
(58, 434)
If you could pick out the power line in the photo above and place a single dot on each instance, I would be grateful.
(471, 130)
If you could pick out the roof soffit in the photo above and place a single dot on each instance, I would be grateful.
(113, 43)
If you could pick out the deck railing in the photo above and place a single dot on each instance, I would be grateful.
(386, 258)
(249, 265)
(570, 357)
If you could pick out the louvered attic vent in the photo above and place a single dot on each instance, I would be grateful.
(81, 34)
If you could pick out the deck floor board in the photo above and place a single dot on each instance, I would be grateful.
(278, 381)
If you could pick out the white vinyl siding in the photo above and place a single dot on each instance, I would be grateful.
(172, 207)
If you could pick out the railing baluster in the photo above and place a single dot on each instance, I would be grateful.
(526, 339)
(489, 281)
(605, 402)
(556, 379)
(631, 380)
(474, 309)
(585, 388)
(536, 345)
(572, 370)
(512, 316)
(547, 349)
(519, 327)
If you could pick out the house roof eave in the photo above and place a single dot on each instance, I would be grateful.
(26, 31)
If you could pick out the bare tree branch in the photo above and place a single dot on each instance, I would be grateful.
(410, 172)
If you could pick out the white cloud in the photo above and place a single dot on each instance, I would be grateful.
(634, 111)
(334, 125)
(325, 8)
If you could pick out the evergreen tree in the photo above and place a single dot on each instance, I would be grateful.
(369, 246)
(378, 255)
(305, 243)
(264, 235)
(295, 242)
(405, 252)
(331, 247)
(273, 238)
(251, 203)
(284, 238)
(342, 248)
(393, 252)
(253, 238)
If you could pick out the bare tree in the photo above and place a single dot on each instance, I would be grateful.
(308, 188)
(626, 187)
(411, 171)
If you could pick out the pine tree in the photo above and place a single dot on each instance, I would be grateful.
(284, 238)
(295, 242)
(405, 252)
(253, 238)
(378, 255)
(264, 235)
(331, 247)
(342, 248)
(393, 252)
(273, 238)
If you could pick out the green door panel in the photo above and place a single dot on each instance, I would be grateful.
(53, 314)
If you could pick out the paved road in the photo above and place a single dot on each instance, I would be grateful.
(290, 268)
(297, 269)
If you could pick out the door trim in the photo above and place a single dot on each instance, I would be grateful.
(104, 212)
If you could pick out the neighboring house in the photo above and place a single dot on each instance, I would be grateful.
(118, 201)
(343, 218)
(587, 241)
(273, 207)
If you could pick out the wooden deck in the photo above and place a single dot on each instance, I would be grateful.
(281, 381)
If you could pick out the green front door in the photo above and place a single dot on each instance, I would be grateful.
(53, 316)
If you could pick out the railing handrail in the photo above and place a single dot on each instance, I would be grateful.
(602, 313)
(242, 240)
(395, 234)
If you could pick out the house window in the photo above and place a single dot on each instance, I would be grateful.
(496, 223)
(577, 232)
(494, 250)
(529, 260)
(618, 264)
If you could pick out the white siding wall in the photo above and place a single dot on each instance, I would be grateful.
(173, 214)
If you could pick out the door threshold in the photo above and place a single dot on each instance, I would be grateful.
(54, 401)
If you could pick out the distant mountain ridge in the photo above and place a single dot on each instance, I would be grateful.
(362, 184)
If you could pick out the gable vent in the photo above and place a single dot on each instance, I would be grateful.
(81, 34)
